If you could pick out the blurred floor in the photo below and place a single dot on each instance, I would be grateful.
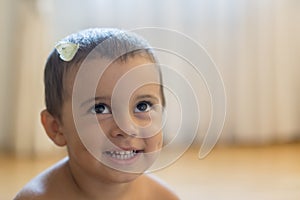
(262, 173)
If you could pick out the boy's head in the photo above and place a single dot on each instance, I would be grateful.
(126, 103)
(118, 45)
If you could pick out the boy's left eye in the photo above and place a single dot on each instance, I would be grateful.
(143, 106)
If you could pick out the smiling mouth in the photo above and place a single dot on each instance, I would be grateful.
(123, 155)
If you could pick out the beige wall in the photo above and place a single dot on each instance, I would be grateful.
(24, 49)
(255, 44)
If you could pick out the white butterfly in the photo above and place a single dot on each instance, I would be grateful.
(67, 50)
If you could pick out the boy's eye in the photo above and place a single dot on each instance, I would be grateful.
(143, 106)
(100, 109)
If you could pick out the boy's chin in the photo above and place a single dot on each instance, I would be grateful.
(125, 177)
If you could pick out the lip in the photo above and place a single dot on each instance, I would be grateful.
(123, 156)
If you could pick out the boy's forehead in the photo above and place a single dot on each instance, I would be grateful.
(105, 67)
(132, 67)
(104, 74)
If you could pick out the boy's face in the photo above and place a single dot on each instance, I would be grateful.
(118, 129)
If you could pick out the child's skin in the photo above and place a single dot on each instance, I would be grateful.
(81, 175)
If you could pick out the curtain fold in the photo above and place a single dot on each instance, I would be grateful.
(255, 45)
(28, 46)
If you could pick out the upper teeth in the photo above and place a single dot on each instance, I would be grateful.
(122, 154)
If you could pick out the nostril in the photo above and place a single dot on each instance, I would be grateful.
(119, 133)
(133, 134)
(124, 131)
(126, 134)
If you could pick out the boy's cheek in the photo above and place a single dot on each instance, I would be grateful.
(154, 143)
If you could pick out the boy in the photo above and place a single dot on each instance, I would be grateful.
(98, 106)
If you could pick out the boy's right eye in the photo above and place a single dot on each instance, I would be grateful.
(100, 109)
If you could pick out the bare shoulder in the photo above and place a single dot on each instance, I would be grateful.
(158, 189)
(43, 185)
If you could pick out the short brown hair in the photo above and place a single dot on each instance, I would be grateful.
(119, 42)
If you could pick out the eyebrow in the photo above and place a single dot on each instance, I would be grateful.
(146, 96)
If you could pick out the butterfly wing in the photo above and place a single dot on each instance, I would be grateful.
(67, 50)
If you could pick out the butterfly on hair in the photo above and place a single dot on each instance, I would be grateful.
(66, 50)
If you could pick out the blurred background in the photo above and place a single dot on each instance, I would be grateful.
(254, 43)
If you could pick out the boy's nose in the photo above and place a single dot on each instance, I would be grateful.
(124, 130)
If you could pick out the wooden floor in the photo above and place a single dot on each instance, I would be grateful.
(244, 173)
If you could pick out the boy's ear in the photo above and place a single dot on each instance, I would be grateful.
(52, 128)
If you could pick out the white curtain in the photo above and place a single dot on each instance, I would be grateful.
(24, 48)
(255, 44)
